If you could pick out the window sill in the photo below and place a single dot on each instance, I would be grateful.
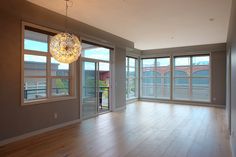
(176, 100)
(47, 100)
(131, 98)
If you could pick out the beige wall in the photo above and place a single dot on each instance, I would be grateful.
(231, 91)
(15, 119)
(120, 76)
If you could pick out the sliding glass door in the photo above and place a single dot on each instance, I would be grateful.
(103, 86)
(96, 79)
(89, 89)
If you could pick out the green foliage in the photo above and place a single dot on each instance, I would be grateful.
(61, 85)
(103, 85)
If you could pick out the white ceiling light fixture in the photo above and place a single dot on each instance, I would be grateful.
(65, 47)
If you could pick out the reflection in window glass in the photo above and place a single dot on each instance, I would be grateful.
(200, 72)
(193, 86)
(148, 87)
(34, 65)
(148, 78)
(149, 72)
(182, 66)
(35, 88)
(35, 41)
(132, 62)
(104, 66)
(163, 79)
(148, 62)
(89, 81)
(191, 78)
(163, 62)
(60, 87)
(155, 79)
(200, 78)
(44, 77)
(200, 60)
(132, 72)
(95, 52)
(131, 78)
(89, 66)
(200, 89)
(182, 72)
(181, 89)
(132, 88)
(59, 69)
(182, 61)
(181, 78)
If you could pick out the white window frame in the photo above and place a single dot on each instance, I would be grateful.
(191, 77)
(154, 77)
(172, 57)
(135, 77)
(49, 97)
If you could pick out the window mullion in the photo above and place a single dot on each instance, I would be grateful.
(190, 80)
(49, 80)
(171, 79)
(136, 74)
(127, 78)
(71, 79)
(128, 81)
(155, 78)
(38, 53)
(140, 78)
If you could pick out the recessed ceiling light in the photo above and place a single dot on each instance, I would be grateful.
(211, 19)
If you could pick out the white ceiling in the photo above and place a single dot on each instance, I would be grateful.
(153, 24)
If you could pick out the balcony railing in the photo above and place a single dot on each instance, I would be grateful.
(41, 93)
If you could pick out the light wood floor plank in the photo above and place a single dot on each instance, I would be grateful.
(144, 129)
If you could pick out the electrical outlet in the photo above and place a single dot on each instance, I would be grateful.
(55, 115)
(214, 99)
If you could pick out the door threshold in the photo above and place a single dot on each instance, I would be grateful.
(100, 113)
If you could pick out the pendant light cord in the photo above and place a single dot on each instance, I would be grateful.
(66, 20)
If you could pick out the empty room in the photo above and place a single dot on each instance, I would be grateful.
(118, 78)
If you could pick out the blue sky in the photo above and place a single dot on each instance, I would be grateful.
(98, 53)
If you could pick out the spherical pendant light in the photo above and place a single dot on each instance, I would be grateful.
(65, 47)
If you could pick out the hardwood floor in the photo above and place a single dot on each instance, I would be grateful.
(144, 129)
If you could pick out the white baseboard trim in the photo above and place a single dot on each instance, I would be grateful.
(37, 132)
(119, 109)
(182, 102)
(231, 147)
(130, 101)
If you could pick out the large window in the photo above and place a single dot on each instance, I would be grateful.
(43, 77)
(181, 80)
(131, 77)
(191, 78)
(155, 80)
